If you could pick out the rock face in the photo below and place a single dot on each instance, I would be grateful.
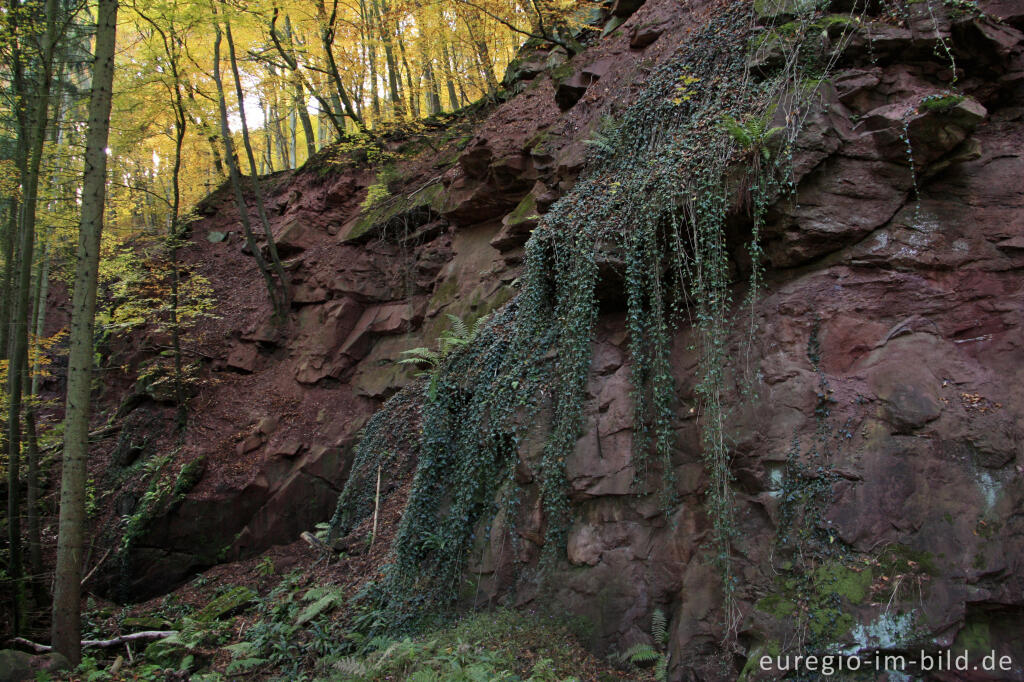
(888, 358)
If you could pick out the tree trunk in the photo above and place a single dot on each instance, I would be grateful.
(279, 138)
(35, 554)
(268, 142)
(327, 35)
(35, 136)
(293, 137)
(257, 190)
(307, 123)
(398, 107)
(66, 633)
(10, 230)
(412, 90)
(236, 180)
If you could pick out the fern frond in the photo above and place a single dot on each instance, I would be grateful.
(641, 654)
(350, 666)
(601, 142)
(421, 355)
(314, 593)
(661, 670)
(737, 131)
(244, 665)
(329, 601)
(659, 627)
(479, 325)
(459, 330)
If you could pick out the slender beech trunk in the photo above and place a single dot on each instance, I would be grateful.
(412, 90)
(66, 630)
(18, 362)
(208, 131)
(236, 181)
(366, 25)
(293, 137)
(451, 78)
(279, 139)
(267, 141)
(307, 123)
(397, 105)
(35, 553)
(256, 189)
(299, 99)
(327, 35)
(10, 230)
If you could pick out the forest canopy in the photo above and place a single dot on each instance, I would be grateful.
(310, 71)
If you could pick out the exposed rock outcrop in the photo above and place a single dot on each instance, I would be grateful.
(888, 355)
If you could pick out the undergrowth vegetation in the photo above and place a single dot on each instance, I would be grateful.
(296, 632)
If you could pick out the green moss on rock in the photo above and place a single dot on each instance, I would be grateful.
(975, 637)
(394, 212)
(940, 103)
(562, 72)
(189, 476)
(444, 294)
(776, 605)
(142, 623)
(226, 604)
(525, 211)
(835, 578)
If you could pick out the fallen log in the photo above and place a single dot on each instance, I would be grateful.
(101, 643)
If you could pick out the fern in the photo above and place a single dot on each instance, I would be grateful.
(244, 665)
(331, 599)
(647, 655)
(600, 141)
(659, 627)
(457, 335)
(242, 649)
(315, 593)
(458, 331)
(753, 133)
(378, 643)
(350, 667)
(641, 655)
(602, 138)
(661, 669)
(421, 356)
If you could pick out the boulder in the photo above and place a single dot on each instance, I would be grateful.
(644, 35)
(18, 666)
(243, 357)
(625, 8)
(294, 237)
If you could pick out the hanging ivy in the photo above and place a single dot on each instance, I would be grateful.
(652, 209)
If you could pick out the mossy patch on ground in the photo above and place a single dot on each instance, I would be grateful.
(226, 604)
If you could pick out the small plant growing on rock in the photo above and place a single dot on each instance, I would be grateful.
(940, 103)
(753, 134)
(602, 138)
(647, 655)
(458, 335)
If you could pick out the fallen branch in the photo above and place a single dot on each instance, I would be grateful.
(98, 434)
(89, 574)
(38, 648)
(101, 643)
